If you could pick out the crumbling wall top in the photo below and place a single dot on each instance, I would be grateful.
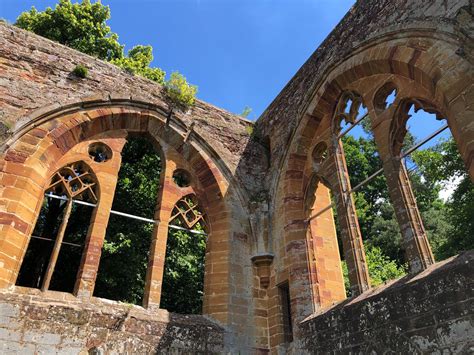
(36, 74)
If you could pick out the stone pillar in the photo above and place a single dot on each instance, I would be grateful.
(351, 237)
(87, 274)
(107, 176)
(167, 198)
(414, 238)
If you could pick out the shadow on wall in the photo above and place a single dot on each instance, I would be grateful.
(428, 312)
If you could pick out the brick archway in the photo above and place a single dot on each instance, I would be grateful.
(412, 58)
(39, 148)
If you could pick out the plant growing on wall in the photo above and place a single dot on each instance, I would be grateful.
(180, 92)
(83, 26)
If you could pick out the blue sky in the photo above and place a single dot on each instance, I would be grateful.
(238, 52)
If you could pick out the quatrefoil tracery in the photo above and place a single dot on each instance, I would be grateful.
(76, 181)
(186, 212)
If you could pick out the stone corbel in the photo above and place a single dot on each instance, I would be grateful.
(263, 262)
(189, 131)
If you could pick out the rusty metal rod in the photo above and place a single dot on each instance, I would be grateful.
(57, 246)
(378, 172)
(143, 219)
(52, 240)
(356, 122)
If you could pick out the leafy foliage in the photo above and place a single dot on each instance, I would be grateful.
(81, 26)
(184, 272)
(246, 112)
(80, 71)
(138, 62)
(125, 253)
(381, 268)
(180, 91)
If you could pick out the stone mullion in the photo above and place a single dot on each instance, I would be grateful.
(351, 237)
(89, 267)
(168, 196)
(415, 241)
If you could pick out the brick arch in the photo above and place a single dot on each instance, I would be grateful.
(38, 148)
(398, 129)
(407, 56)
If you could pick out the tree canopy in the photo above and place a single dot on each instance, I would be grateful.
(83, 26)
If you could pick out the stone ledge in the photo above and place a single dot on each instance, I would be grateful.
(30, 320)
(431, 311)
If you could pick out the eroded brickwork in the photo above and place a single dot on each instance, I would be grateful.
(272, 257)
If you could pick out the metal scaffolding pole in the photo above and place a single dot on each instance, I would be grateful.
(378, 172)
(143, 219)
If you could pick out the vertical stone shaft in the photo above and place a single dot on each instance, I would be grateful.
(414, 238)
(351, 237)
(107, 176)
(167, 198)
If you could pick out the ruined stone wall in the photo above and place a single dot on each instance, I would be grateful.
(255, 187)
(36, 74)
(367, 21)
(430, 313)
(57, 324)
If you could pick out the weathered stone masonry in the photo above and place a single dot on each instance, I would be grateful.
(257, 190)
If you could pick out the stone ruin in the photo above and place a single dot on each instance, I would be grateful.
(273, 281)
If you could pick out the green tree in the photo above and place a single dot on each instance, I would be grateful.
(180, 91)
(125, 253)
(183, 279)
(138, 62)
(81, 26)
(381, 268)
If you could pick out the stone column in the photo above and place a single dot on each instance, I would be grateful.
(414, 239)
(87, 274)
(107, 176)
(351, 237)
(168, 196)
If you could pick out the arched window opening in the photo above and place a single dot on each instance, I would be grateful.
(182, 178)
(328, 254)
(54, 253)
(183, 279)
(442, 187)
(385, 97)
(125, 253)
(377, 221)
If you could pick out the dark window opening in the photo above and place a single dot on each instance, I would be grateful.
(182, 178)
(285, 302)
(100, 152)
(125, 254)
(55, 250)
(183, 279)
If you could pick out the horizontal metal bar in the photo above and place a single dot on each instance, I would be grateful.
(419, 144)
(356, 122)
(321, 212)
(143, 219)
(134, 217)
(52, 240)
(378, 172)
